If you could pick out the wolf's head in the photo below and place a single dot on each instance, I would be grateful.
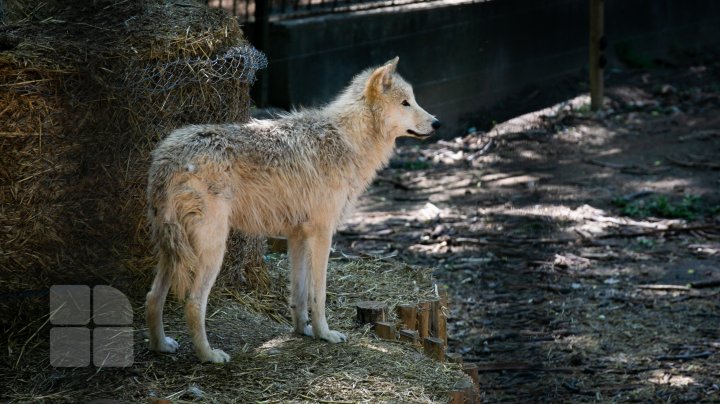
(393, 98)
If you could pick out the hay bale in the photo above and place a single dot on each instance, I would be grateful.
(86, 90)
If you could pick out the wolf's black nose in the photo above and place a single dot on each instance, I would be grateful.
(436, 124)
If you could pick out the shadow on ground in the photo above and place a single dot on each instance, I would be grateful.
(581, 248)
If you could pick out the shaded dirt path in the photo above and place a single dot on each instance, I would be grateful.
(568, 240)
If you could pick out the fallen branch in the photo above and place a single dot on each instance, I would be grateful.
(678, 288)
(395, 183)
(692, 164)
(650, 232)
(710, 283)
(606, 164)
(522, 366)
(684, 357)
(513, 241)
(699, 135)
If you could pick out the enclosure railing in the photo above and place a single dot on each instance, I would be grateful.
(247, 10)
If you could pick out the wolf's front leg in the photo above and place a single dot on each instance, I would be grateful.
(319, 253)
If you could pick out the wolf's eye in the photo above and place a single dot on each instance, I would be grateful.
(405, 103)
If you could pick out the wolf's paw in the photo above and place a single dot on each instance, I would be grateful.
(167, 345)
(307, 331)
(333, 336)
(216, 356)
(329, 335)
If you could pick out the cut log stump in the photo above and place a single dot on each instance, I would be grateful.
(385, 330)
(410, 336)
(423, 319)
(370, 312)
(434, 348)
(407, 314)
(438, 320)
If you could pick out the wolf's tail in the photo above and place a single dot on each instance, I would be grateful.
(175, 253)
(177, 257)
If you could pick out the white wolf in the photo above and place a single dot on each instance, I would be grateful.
(292, 177)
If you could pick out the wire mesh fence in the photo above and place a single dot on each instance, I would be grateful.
(202, 89)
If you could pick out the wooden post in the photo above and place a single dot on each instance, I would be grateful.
(407, 314)
(597, 59)
(262, 42)
(385, 330)
(434, 348)
(370, 312)
(423, 319)
(438, 321)
(410, 336)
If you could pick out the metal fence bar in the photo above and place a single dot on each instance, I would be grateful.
(247, 10)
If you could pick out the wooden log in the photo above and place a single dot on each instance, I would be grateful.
(385, 330)
(434, 348)
(454, 357)
(438, 321)
(423, 319)
(407, 314)
(410, 336)
(370, 312)
(471, 370)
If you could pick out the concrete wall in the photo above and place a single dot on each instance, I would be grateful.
(475, 62)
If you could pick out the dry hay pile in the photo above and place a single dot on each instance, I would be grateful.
(269, 363)
(86, 89)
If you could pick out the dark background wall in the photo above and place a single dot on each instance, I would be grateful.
(474, 63)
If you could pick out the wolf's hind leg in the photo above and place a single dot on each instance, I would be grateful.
(319, 254)
(209, 238)
(299, 268)
(154, 304)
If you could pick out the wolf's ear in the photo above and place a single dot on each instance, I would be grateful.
(380, 79)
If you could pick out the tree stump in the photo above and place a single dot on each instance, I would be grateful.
(370, 312)
(385, 330)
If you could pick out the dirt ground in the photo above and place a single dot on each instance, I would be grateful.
(580, 248)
